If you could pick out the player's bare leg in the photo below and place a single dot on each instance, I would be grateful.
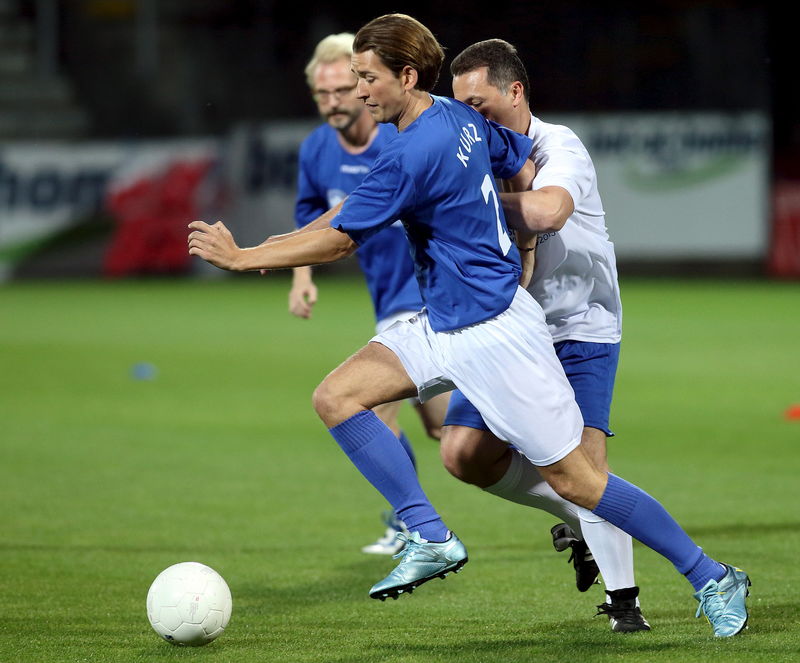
(387, 413)
(431, 414)
(593, 441)
(474, 456)
(615, 547)
(344, 401)
(372, 376)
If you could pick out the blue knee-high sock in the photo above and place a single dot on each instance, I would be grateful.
(407, 446)
(635, 512)
(380, 457)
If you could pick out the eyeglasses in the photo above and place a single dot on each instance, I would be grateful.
(339, 93)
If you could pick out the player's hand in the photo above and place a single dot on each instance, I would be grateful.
(302, 298)
(213, 244)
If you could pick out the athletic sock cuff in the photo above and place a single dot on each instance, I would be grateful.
(357, 431)
(510, 479)
(618, 500)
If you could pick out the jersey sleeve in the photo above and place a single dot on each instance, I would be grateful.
(569, 168)
(386, 192)
(508, 150)
(310, 202)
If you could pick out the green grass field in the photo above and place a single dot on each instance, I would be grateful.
(105, 480)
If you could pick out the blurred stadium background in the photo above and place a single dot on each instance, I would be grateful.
(145, 421)
(120, 119)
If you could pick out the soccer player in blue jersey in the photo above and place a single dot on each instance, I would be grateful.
(333, 161)
(479, 331)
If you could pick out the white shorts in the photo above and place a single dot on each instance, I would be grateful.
(506, 367)
(384, 323)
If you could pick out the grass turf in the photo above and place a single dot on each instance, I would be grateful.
(106, 479)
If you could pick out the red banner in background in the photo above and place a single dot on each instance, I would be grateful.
(152, 212)
(784, 251)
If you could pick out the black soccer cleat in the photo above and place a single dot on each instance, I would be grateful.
(563, 536)
(623, 614)
(586, 570)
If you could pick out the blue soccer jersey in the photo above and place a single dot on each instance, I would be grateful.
(438, 177)
(328, 173)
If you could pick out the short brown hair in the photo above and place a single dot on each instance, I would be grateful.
(400, 41)
(503, 65)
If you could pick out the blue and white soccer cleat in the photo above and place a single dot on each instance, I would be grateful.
(388, 544)
(421, 561)
(723, 602)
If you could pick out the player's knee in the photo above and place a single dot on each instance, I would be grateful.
(459, 459)
(562, 484)
(327, 403)
(570, 488)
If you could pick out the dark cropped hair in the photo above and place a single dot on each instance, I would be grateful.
(501, 61)
(399, 41)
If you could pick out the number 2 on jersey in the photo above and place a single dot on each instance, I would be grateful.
(487, 189)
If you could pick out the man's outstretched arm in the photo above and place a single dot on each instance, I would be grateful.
(215, 244)
(322, 221)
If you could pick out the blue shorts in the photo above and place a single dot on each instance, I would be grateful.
(590, 368)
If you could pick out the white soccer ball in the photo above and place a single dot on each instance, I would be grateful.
(189, 604)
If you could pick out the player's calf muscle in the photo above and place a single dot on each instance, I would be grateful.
(593, 442)
(472, 456)
(576, 479)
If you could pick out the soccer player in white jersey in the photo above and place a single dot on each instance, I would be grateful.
(479, 331)
(333, 161)
(575, 282)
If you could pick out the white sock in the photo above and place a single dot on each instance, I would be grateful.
(523, 484)
(612, 549)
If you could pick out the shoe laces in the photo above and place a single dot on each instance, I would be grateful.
(711, 603)
(409, 547)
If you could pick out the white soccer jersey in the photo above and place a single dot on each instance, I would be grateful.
(575, 274)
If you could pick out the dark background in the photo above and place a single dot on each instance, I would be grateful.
(214, 63)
